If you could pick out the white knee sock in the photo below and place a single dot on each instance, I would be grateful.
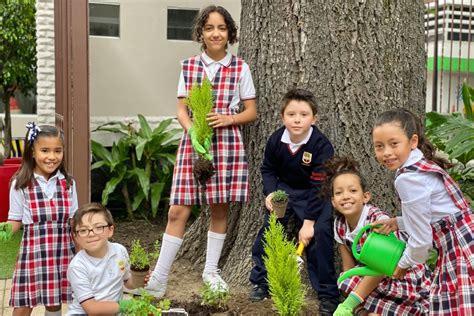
(215, 242)
(169, 248)
(57, 313)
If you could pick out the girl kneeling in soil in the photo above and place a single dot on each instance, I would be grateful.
(232, 83)
(378, 295)
(43, 199)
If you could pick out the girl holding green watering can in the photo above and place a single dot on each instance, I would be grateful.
(368, 286)
(434, 212)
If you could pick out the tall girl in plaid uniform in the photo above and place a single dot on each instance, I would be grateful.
(434, 212)
(232, 83)
(378, 295)
(43, 199)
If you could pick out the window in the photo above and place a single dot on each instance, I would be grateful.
(180, 24)
(104, 19)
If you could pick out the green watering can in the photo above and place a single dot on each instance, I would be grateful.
(380, 254)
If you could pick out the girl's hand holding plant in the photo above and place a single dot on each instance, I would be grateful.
(6, 231)
(220, 120)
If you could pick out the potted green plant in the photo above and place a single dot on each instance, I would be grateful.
(17, 57)
(284, 280)
(140, 262)
(215, 298)
(279, 202)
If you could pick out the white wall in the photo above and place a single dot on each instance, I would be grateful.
(138, 72)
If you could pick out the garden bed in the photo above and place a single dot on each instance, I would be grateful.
(185, 279)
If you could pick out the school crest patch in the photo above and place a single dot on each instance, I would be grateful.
(121, 265)
(307, 157)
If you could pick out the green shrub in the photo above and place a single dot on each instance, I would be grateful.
(139, 165)
(454, 134)
(214, 298)
(284, 280)
(139, 258)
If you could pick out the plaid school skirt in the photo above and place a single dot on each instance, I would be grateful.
(452, 292)
(397, 297)
(228, 184)
(40, 275)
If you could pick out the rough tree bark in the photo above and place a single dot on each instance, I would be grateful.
(358, 57)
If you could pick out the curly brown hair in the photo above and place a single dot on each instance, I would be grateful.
(203, 16)
(338, 166)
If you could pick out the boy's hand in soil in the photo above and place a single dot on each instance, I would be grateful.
(6, 231)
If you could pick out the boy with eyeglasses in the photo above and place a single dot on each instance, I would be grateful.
(98, 272)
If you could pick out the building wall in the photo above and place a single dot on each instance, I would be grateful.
(138, 72)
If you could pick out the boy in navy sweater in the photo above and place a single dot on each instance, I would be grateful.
(293, 162)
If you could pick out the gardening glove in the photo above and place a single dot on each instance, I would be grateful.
(207, 146)
(346, 307)
(6, 231)
(194, 141)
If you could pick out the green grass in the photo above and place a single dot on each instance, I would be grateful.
(8, 253)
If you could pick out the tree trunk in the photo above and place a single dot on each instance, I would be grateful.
(359, 58)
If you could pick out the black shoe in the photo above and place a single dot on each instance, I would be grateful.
(258, 293)
(328, 305)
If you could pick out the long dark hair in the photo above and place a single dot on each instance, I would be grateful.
(202, 18)
(24, 176)
(338, 166)
(411, 125)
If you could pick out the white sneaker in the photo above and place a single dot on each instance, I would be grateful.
(155, 287)
(215, 281)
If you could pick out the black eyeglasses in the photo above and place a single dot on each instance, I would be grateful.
(97, 230)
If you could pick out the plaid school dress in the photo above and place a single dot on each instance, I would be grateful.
(230, 182)
(46, 249)
(392, 297)
(452, 291)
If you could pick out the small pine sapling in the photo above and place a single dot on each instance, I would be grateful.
(200, 101)
(283, 277)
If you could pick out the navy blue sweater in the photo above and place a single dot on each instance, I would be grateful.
(302, 170)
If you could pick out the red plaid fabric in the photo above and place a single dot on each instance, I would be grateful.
(452, 292)
(230, 183)
(392, 297)
(46, 249)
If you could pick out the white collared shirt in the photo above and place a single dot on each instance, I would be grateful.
(350, 235)
(424, 201)
(99, 278)
(285, 138)
(20, 211)
(245, 90)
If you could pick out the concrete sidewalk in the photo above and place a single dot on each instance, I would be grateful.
(5, 310)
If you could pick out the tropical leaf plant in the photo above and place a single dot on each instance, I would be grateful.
(453, 134)
(140, 163)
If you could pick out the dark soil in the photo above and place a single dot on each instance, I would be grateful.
(203, 170)
(185, 282)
